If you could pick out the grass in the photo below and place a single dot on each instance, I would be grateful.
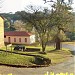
(15, 59)
(56, 56)
(59, 56)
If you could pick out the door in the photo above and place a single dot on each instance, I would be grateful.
(8, 39)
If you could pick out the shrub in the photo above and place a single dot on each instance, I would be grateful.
(39, 60)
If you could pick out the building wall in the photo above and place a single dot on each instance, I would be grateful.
(1, 32)
(32, 39)
(18, 41)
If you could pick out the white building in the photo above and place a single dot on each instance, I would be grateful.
(19, 37)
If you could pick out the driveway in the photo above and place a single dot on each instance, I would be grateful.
(68, 66)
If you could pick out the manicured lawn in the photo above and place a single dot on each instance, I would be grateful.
(56, 56)
(59, 56)
(15, 59)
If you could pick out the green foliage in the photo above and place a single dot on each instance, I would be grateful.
(46, 21)
(40, 60)
(10, 16)
(71, 35)
(9, 19)
(6, 24)
(62, 19)
(19, 26)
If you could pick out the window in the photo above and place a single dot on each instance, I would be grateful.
(25, 39)
(14, 39)
(4, 36)
(19, 39)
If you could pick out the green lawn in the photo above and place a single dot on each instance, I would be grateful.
(15, 59)
(56, 56)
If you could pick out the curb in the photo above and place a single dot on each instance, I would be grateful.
(24, 66)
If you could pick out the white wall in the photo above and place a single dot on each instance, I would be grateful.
(32, 39)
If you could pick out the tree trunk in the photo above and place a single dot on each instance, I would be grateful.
(58, 43)
(43, 47)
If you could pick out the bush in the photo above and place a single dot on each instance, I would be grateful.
(42, 61)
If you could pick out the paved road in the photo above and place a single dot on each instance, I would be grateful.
(68, 66)
(71, 47)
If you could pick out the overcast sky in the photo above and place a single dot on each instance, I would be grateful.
(18, 5)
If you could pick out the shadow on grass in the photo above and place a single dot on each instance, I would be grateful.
(52, 51)
(32, 50)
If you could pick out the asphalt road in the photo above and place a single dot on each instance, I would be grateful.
(68, 66)
(71, 47)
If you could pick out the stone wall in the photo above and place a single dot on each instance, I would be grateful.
(1, 32)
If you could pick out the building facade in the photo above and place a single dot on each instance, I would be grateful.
(1, 32)
(19, 37)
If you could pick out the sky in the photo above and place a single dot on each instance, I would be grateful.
(18, 5)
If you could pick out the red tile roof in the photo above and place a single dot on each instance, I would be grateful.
(17, 33)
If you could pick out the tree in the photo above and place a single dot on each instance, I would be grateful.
(19, 26)
(62, 18)
(6, 24)
(40, 20)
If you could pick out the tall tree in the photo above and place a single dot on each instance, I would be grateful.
(40, 20)
(62, 18)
